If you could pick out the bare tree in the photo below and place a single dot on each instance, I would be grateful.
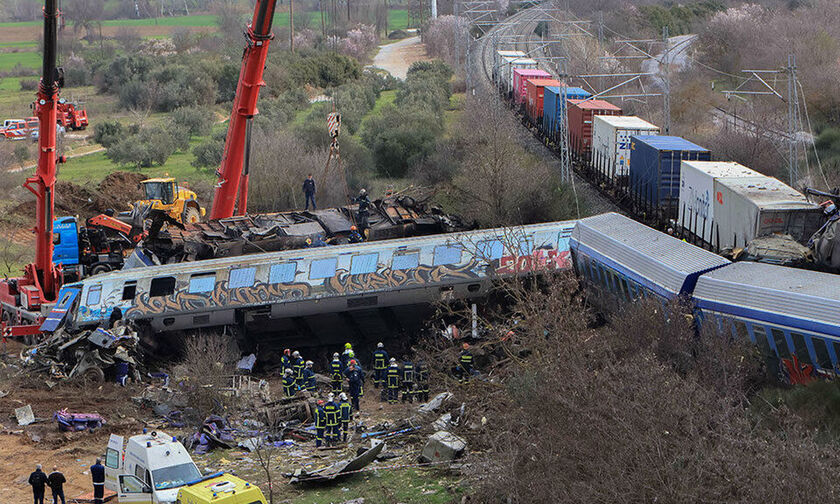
(265, 453)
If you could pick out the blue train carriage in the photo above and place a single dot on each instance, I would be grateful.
(624, 260)
(785, 311)
(299, 283)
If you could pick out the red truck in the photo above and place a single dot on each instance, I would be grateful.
(70, 115)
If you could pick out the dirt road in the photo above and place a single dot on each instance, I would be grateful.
(397, 57)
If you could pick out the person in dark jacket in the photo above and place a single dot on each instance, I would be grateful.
(336, 377)
(354, 378)
(297, 365)
(289, 383)
(364, 209)
(38, 480)
(309, 191)
(346, 415)
(97, 475)
(320, 424)
(56, 481)
(392, 381)
(310, 383)
(380, 364)
(421, 374)
(407, 380)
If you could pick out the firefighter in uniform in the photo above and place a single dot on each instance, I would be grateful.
(355, 377)
(345, 356)
(335, 373)
(286, 360)
(392, 381)
(421, 373)
(346, 415)
(466, 364)
(297, 366)
(331, 409)
(380, 364)
(320, 424)
(407, 379)
(309, 381)
(289, 383)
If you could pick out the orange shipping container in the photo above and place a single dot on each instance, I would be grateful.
(534, 91)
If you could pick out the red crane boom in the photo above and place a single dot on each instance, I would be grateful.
(21, 298)
(233, 180)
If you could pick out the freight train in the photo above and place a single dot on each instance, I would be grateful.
(719, 208)
(786, 312)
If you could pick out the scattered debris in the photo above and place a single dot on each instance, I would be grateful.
(338, 469)
(435, 403)
(215, 432)
(24, 415)
(77, 421)
(443, 446)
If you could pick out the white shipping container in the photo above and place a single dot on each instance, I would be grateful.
(509, 64)
(611, 142)
(749, 207)
(499, 56)
(697, 193)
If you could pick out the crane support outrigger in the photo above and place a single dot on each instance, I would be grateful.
(233, 179)
(24, 298)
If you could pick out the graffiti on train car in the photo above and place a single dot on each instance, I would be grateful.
(538, 261)
(345, 283)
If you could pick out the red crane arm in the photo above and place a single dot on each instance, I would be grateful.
(232, 179)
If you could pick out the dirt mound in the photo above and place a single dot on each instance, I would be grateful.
(116, 191)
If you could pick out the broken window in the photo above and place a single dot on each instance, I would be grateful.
(823, 359)
(241, 277)
(363, 263)
(94, 295)
(761, 340)
(525, 246)
(202, 282)
(162, 286)
(282, 273)
(740, 330)
(799, 345)
(447, 254)
(129, 290)
(489, 250)
(781, 343)
(322, 268)
(405, 261)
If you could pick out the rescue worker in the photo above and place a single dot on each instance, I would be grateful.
(320, 423)
(38, 480)
(56, 481)
(421, 373)
(380, 363)
(345, 356)
(336, 377)
(392, 381)
(289, 383)
(286, 361)
(297, 365)
(309, 381)
(331, 409)
(97, 475)
(309, 192)
(465, 362)
(346, 415)
(361, 372)
(407, 379)
(319, 242)
(355, 237)
(364, 209)
(355, 378)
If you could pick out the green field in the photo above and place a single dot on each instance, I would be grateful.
(29, 59)
(397, 19)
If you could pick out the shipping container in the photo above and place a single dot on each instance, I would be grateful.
(511, 63)
(611, 145)
(655, 172)
(746, 208)
(499, 59)
(554, 101)
(534, 92)
(697, 193)
(580, 116)
(519, 76)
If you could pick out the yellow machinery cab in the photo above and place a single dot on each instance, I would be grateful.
(179, 203)
(224, 489)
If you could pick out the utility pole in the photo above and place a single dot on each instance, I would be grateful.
(793, 120)
(667, 81)
(563, 134)
(292, 26)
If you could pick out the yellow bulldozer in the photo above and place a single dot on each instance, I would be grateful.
(178, 203)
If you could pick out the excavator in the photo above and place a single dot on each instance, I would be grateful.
(24, 301)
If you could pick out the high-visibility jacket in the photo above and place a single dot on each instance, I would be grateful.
(422, 379)
(309, 381)
(289, 385)
(331, 409)
(335, 369)
(466, 360)
(408, 372)
(392, 378)
(285, 363)
(346, 411)
(380, 359)
(320, 418)
(298, 365)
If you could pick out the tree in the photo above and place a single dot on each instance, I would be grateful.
(208, 154)
(195, 121)
(265, 452)
(151, 146)
(107, 133)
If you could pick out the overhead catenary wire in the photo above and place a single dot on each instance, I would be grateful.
(811, 132)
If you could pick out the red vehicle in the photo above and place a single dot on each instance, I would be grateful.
(71, 116)
(14, 129)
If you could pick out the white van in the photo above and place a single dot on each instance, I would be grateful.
(149, 469)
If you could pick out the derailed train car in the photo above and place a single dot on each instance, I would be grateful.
(265, 288)
(786, 312)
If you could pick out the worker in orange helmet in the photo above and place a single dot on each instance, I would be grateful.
(355, 237)
(465, 364)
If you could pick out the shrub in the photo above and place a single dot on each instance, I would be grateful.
(107, 133)
(400, 138)
(28, 84)
(208, 154)
(21, 153)
(195, 121)
(151, 146)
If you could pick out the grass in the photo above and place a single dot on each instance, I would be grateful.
(18, 45)
(194, 20)
(385, 98)
(26, 59)
(397, 19)
(13, 101)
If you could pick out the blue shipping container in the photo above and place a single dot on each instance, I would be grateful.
(655, 170)
(554, 99)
